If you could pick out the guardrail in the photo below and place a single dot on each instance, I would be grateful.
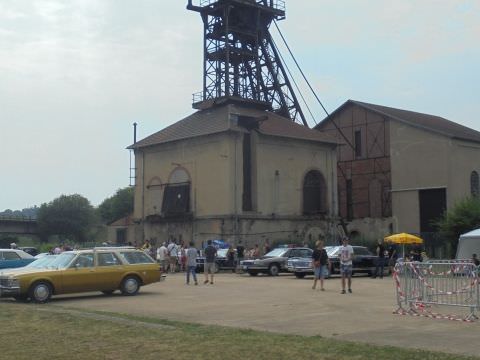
(423, 287)
(275, 4)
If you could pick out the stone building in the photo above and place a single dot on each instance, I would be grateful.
(399, 170)
(236, 173)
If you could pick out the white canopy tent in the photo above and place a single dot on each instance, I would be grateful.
(468, 244)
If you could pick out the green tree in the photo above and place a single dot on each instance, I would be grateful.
(117, 206)
(68, 216)
(463, 217)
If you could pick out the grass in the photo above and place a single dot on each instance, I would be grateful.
(50, 332)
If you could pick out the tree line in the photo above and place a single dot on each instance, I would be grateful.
(73, 218)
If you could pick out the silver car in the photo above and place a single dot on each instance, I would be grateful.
(275, 261)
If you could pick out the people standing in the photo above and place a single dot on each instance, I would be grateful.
(172, 250)
(475, 260)
(319, 264)
(266, 247)
(162, 257)
(146, 247)
(209, 267)
(346, 264)
(240, 254)
(191, 263)
(256, 252)
(392, 257)
(380, 265)
(231, 258)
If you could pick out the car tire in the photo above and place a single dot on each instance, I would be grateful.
(216, 268)
(300, 275)
(130, 286)
(252, 273)
(108, 292)
(40, 292)
(274, 269)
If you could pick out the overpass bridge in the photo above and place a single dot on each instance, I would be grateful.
(18, 225)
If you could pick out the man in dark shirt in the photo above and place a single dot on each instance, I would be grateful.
(240, 254)
(319, 264)
(209, 266)
(380, 260)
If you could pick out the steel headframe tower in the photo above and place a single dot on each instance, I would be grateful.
(241, 61)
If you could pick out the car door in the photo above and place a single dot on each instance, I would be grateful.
(10, 259)
(81, 275)
(109, 270)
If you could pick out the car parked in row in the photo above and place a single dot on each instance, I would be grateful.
(221, 262)
(99, 269)
(14, 258)
(275, 261)
(363, 262)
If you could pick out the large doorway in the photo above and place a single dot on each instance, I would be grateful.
(433, 203)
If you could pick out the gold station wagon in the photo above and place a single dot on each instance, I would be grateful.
(100, 269)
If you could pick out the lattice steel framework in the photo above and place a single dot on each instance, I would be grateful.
(241, 61)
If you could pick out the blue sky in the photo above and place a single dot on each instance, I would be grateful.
(75, 75)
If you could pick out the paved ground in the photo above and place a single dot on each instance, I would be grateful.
(289, 305)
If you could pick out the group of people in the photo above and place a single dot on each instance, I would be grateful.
(321, 263)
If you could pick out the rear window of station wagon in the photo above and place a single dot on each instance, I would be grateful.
(136, 257)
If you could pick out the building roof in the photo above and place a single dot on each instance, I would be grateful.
(125, 221)
(226, 118)
(425, 121)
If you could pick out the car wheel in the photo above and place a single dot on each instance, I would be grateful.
(40, 292)
(252, 273)
(130, 286)
(274, 270)
(108, 292)
(299, 275)
(216, 268)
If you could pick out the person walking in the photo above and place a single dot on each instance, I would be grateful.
(380, 265)
(319, 264)
(209, 267)
(162, 257)
(191, 263)
(172, 250)
(346, 264)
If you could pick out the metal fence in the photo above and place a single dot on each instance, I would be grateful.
(424, 288)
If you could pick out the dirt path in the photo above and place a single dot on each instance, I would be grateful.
(288, 305)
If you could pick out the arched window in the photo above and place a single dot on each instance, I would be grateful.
(474, 184)
(314, 193)
(176, 196)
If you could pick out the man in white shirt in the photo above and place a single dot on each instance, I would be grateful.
(346, 264)
(162, 257)
(172, 250)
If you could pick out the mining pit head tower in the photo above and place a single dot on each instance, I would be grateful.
(241, 61)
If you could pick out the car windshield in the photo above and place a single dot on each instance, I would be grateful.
(62, 261)
(277, 252)
(333, 250)
(222, 252)
(42, 263)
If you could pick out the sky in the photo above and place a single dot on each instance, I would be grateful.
(75, 75)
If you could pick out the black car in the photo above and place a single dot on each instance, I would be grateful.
(363, 260)
(30, 250)
(221, 262)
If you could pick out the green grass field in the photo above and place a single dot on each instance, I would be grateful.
(48, 332)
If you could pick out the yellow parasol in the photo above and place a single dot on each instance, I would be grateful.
(403, 239)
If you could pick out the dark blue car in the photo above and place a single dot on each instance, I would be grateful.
(12, 258)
